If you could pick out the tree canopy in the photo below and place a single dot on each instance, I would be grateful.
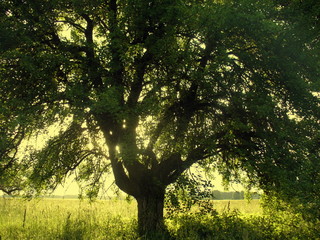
(147, 88)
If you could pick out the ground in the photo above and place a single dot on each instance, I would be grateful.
(116, 219)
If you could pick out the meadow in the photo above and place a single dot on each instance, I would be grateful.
(116, 219)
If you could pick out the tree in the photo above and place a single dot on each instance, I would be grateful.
(236, 195)
(148, 88)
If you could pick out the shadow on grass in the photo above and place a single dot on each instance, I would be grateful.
(229, 225)
(73, 229)
(234, 226)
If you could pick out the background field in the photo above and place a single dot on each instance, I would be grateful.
(116, 219)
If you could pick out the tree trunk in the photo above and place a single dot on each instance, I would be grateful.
(150, 215)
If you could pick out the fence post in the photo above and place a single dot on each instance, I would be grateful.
(24, 218)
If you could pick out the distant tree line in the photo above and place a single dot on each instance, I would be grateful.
(235, 195)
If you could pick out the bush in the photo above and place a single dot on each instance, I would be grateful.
(232, 225)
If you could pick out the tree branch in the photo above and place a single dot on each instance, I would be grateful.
(73, 24)
(193, 157)
(8, 190)
(185, 108)
(93, 64)
(121, 178)
(136, 86)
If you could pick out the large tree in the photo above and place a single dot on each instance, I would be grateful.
(148, 88)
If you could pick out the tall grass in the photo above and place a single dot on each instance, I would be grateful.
(246, 207)
(65, 219)
(116, 219)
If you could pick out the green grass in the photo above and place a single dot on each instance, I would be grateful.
(65, 219)
(116, 219)
(251, 207)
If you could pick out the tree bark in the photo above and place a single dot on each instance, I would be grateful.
(150, 214)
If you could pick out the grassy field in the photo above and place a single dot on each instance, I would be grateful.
(116, 219)
(243, 206)
(64, 218)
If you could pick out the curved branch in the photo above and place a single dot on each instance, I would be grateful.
(171, 168)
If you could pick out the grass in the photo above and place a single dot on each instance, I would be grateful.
(116, 219)
(244, 206)
(64, 219)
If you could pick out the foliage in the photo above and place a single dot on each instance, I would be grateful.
(188, 191)
(273, 206)
(232, 225)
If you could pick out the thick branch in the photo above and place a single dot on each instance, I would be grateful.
(171, 168)
(193, 157)
(164, 121)
(88, 32)
(182, 110)
(167, 166)
(8, 190)
(135, 91)
(185, 108)
(72, 23)
(188, 107)
(116, 136)
(117, 47)
(112, 132)
(55, 42)
(13, 146)
(121, 178)
(93, 64)
(136, 86)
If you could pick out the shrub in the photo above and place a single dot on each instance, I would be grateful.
(232, 225)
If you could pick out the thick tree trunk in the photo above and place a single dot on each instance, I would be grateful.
(150, 215)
